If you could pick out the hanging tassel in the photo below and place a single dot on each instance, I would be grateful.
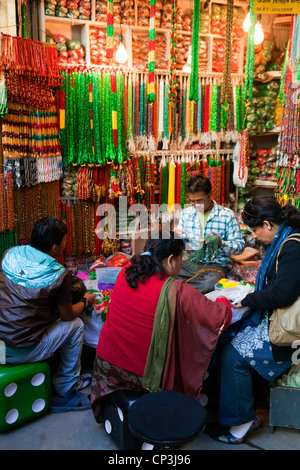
(166, 118)
(171, 187)
(130, 140)
(206, 117)
(177, 181)
(182, 182)
(161, 110)
(164, 181)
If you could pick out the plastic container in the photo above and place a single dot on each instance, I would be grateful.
(107, 275)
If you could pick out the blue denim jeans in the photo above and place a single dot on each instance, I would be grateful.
(66, 336)
(236, 401)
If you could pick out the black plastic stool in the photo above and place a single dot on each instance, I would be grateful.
(166, 419)
(115, 414)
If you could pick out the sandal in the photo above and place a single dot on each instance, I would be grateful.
(74, 401)
(230, 439)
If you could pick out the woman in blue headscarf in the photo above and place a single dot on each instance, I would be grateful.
(251, 349)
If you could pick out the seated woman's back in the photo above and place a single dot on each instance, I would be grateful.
(126, 335)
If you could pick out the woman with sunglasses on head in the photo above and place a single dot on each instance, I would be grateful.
(204, 217)
(153, 315)
(250, 349)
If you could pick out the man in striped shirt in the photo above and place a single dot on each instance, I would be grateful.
(204, 217)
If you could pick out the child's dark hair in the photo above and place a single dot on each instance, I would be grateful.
(161, 245)
(267, 208)
(47, 232)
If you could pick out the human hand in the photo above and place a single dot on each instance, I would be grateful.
(178, 231)
(91, 298)
(219, 239)
(236, 305)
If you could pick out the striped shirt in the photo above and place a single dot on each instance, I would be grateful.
(222, 221)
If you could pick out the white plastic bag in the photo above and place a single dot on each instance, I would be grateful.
(234, 295)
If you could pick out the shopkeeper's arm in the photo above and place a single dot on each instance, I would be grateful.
(233, 243)
(63, 301)
(227, 229)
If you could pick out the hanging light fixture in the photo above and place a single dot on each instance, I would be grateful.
(258, 32)
(121, 54)
(187, 67)
(246, 23)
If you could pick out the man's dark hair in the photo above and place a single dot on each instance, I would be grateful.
(197, 184)
(47, 232)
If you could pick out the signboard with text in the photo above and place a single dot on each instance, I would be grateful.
(279, 7)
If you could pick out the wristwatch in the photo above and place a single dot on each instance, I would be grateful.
(85, 301)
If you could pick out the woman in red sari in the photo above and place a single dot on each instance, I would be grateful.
(160, 332)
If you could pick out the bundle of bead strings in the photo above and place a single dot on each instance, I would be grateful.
(205, 254)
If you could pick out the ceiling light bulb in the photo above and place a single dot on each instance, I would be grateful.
(246, 24)
(121, 54)
(258, 34)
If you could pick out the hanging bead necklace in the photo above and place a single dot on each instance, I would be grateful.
(173, 54)
(226, 97)
(194, 80)
(151, 55)
(248, 82)
(110, 30)
(205, 254)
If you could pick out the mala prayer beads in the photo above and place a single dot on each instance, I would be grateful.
(289, 139)
(110, 30)
(151, 55)
(193, 96)
(35, 202)
(31, 70)
(93, 127)
(248, 82)
(214, 109)
(173, 53)
(164, 181)
(25, 57)
(103, 114)
(205, 254)
(28, 132)
(244, 160)
(7, 240)
(226, 97)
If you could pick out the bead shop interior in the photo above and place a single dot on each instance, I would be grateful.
(110, 99)
(191, 94)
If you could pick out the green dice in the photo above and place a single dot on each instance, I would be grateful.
(25, 392)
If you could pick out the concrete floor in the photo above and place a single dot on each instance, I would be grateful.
(79, 431)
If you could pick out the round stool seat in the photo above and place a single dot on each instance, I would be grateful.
(166, 419)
